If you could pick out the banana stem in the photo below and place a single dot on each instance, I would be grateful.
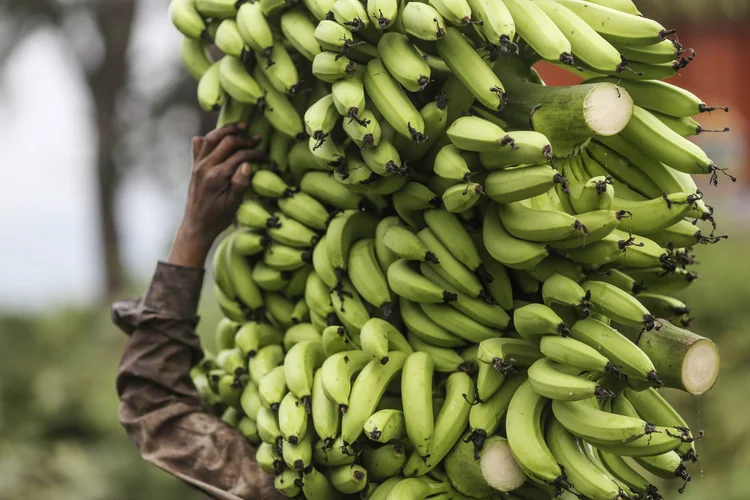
(682, 359)
(568, 116)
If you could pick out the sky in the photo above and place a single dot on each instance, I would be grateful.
(48, 224)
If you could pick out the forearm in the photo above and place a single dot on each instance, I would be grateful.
(190, 247)
(161, 410)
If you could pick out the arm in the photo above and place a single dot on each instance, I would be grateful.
(160, 409)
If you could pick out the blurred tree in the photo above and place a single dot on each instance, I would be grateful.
(106, 79)
(132, 125)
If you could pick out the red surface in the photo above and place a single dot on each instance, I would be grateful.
(720, 75)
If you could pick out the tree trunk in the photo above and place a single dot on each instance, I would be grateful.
(115, 22)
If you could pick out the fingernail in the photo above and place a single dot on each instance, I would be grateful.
(242, 125)
(246, 169)
(256, 137)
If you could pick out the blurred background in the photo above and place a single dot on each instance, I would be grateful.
(95, 120)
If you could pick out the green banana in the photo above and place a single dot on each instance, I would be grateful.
(506, 248)
(391, 101)
(625, 355)
(449, 425)
(524, 428)
(385, 426)
(187, 19)
(254, 28)
(300, 31)
(572, 352)
(550, 380)
(292, 417)
(383, 462)
(288, 482)
(348, 306)
(378, 337)
(416, 393)
(583, 474)
(485, 416)
(469, 67)
(403, 61)
(343, 231)
(539, 31)
(195, 57)
(268, 459)
(298, 456)
(316, 485)
(521, 183)
(423, 328)
(446, 360)
(587, 45)
(253, 336)
(584, 419)
(367, 390)
(534, 319)
(448, 266)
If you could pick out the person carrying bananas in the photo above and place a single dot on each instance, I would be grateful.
(159, 407)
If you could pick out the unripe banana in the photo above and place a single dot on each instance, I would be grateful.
(292, 418)
(268, 459)
(254, 27)
(526, 438)
(382, 13)
(350, 13)
(228, 38)
(298, 456)
(321, 118)
(403, 61)
(233, 112)
(391, 101)
(279, 69)
(195, 56)
(366, 276)
(288, 483)
(456, 12)
(625, 355)
(384, 159)
(366, 392)
(385, 426)
(244, 286)
(588, 479)
(186, 18)
(446, 360)
(278, 110)
(302, 332)
(521, 183)
(462, 197)
(450, 164)
(211, 95)
(383, 462)
(416, 391)
(422, 21)
(349, 479)
(300, 31)
(364, 131)
(472, 133)
(449, 425)
(325, 188)
(216, 8)
(497, 23)
(331, 67)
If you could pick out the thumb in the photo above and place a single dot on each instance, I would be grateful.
(241, 178)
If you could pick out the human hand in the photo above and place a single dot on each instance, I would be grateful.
(220, 176)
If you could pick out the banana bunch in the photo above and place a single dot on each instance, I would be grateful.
(449, 280)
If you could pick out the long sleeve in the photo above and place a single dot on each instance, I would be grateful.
(159, 406)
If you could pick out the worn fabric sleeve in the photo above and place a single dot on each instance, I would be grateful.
(159, 406)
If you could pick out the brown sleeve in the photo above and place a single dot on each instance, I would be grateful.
(159, 406)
